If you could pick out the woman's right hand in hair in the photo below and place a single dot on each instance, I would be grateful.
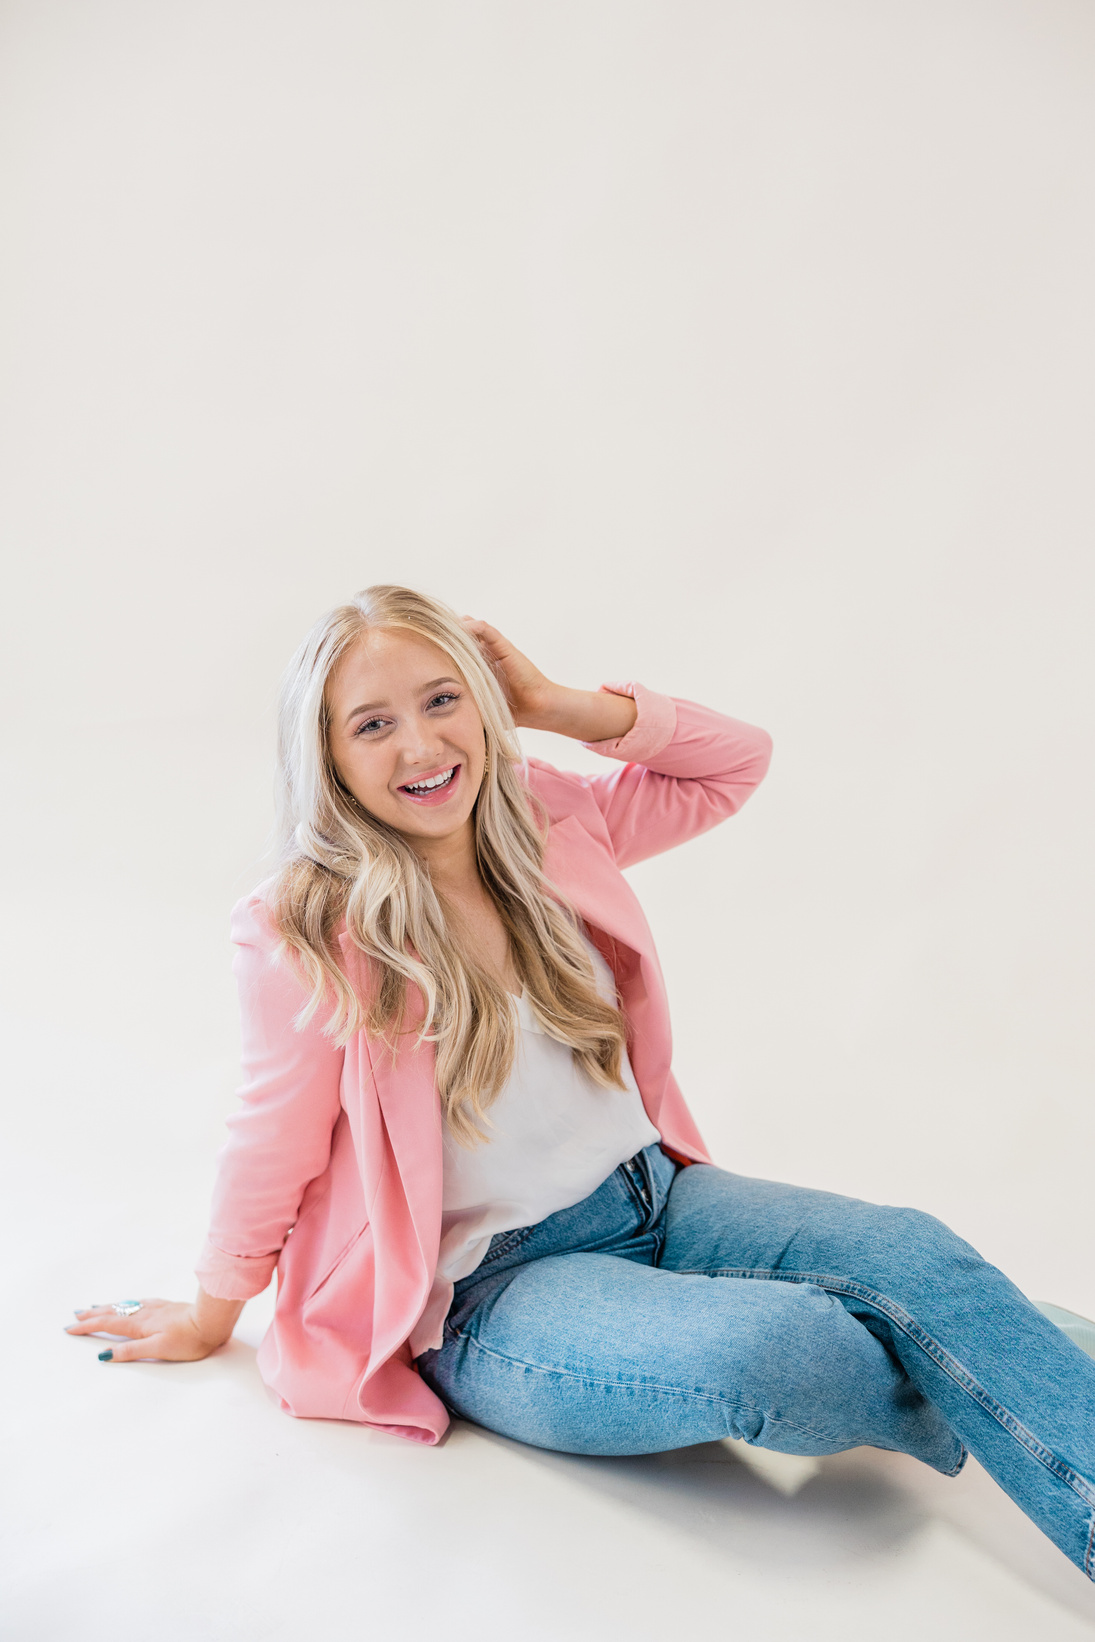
(171, 1331)
(529, 692)
(538, 704)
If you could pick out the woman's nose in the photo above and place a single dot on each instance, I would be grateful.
(422, 745)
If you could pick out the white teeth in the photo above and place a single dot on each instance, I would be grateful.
(429, 786)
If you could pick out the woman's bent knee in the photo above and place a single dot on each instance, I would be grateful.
(885, 1239)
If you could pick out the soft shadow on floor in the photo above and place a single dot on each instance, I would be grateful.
(708, 1493)
(862, 1505)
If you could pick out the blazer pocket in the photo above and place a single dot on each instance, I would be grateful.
(343, 1254)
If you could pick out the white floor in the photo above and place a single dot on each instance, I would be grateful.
(177, 1502)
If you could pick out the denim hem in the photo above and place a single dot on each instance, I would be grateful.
(931, 1347)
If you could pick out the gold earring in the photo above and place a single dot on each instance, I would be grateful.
(486, 764)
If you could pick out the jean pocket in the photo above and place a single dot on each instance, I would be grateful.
(504, 1243)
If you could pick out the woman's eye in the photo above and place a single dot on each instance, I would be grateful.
(444, 698)
(370, 724)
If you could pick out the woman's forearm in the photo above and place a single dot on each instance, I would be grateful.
(585, 715)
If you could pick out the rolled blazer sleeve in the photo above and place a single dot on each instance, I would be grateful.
(685, 768)
(279, 1138)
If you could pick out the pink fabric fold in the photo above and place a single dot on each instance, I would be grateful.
(652, 730)
(234, 1276)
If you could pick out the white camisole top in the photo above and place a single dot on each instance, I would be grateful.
(554, 1136)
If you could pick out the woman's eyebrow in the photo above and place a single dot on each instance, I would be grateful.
(373, 706)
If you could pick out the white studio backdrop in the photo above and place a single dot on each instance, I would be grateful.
(743, 349)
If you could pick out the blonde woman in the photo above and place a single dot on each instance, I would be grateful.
(461, 1146)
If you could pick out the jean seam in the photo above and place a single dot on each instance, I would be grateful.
(644, 1210)
(640, 1385)
(514, 1239)
(931, 1347)
(1089, 1555)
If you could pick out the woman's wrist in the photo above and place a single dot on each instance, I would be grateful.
(213, 1319)
(584, 715)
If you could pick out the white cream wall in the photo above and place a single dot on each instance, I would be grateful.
(743, 349)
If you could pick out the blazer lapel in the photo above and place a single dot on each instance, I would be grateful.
(400, 1157)
(591, 881)
(585, 872)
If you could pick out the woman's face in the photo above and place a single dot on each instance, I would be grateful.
(405, 735)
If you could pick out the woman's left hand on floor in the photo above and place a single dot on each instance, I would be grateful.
(163, 1329)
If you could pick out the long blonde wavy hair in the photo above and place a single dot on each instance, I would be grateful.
(342, 868)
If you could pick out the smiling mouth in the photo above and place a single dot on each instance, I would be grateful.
(435, 783)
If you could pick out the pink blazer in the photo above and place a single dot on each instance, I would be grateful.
(332, 1169)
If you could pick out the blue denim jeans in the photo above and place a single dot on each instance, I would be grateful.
(679, 1305)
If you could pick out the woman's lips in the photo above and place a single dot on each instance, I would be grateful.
(435, 795)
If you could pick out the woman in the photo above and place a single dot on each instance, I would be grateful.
(462, 1147)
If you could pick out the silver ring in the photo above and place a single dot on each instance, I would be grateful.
(126, 1308)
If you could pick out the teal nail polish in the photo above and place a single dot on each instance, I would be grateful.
(106, 1356)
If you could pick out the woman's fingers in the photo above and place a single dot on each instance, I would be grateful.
(111, 1311)
(481, 630)
(495, 648)
(109, 1324)
(496, 645)
(105, 1320)
(524, 685)
(164, 1329)
(132, 1351)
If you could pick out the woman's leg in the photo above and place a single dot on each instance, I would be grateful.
(1016, 1391)
(595, 1353)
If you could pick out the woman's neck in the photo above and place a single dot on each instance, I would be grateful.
(451, 863)
(475, 921)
